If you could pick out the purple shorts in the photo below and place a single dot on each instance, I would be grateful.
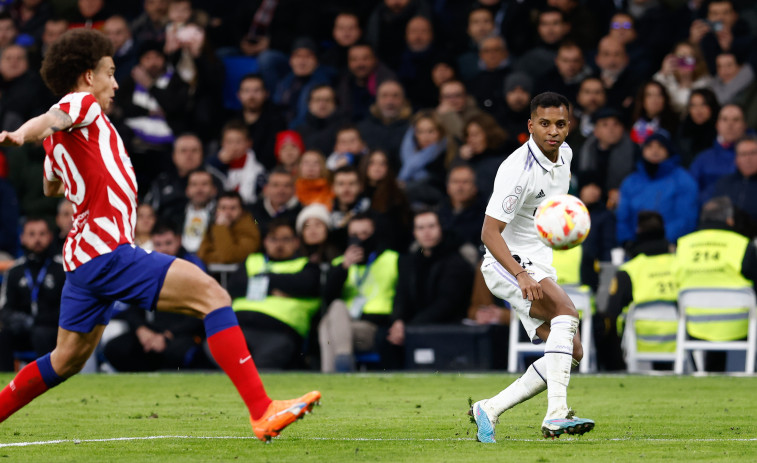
(127, 274)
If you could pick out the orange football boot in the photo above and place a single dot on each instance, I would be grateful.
(282, 413)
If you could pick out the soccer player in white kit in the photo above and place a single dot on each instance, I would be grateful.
(517, 267)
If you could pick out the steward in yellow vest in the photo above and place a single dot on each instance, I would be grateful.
(646, 277)
(275, 297)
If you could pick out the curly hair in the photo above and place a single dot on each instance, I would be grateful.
(74, 53)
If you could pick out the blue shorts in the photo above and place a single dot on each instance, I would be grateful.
(127, 274)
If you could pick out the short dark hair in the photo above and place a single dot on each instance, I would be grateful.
(549, 100)
(426, 210)
(236, 125)
(74, 53)
(36, 218)
(650, 222)
(362, 216)
(165, 226)
(347, 169)
(280, 222)
(253, 76)
(320, 87)
(232, 194)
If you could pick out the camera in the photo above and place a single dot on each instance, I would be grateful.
(716, 26)
(354, 241)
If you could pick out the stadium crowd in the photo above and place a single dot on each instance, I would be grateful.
(331, 160)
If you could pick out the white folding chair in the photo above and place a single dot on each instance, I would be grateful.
(582, 300)
(657, 311)
(716, 298)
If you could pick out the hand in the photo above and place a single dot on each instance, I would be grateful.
(669, 64)
(466, 152)
(725, 38)
(396, 333)
(195, 38)
(444, 108)
(699, 28)
(150, 340)
(352, 255)
(141, 77)
(222, 218)
(11, 138)
(613, 196)
(226, 155)
(172, 41)
(253, 49)
(530, 288)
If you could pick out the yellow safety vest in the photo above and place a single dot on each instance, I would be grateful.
(712, 259)
(653, 280)
(295, 312)
(376, 283)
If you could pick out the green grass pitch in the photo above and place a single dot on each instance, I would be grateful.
(376, 417)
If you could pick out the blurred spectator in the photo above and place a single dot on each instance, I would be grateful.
(486, 146)
(25, 167)
(293, 90)
(386, 26)
(388, 120)
(682, 71)
(356, 89)
(156, 339)
(480, 26)
(608, 153)
(30, 17)
(54, 28)
(422, 157)
(731, 77)
(151, 25)
(722, 30)
(30, 295)
(275, 295)
(237, 163)
(494, 66)
(658, 184)
(595, 248)
(153, 101)
(22, 90)
(455, 107)
(461, 214)
(289, 148)
(443, 71)
(349, 201)
(652, 112)
(569, 71)
(348, 148)
(262, 118)
(278, 200)
(652, 24)
(591, 97)
(581, 19)
(741, 187)
(358, 294)
(388, 201)
(167, 192)
(711, 164)
(697, 130)
(433, 283)
(551, 29)
(313, 229)
(322, 120)
(517, 110)
(312, 184)
(64, 221)
(623, 29)
(146, 219)
(232, 236)
(9, 216)
(618, 79)
(125, 49)
(8, 31)
(201, 195)
(646, 277)
(345, 33)
(90, 14)
(416, 62)
(484, 308)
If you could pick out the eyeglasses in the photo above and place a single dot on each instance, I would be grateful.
(621, 25)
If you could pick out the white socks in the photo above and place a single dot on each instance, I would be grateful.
(558, 354)
(533, 381)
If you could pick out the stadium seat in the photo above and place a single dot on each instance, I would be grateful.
(734, 303)
(221, 272)
(581, 297)
(650, 334)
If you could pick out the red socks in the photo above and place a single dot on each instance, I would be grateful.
(27, 385)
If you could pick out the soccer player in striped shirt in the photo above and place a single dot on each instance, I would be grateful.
(86, 161)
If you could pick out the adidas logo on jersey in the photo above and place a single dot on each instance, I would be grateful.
(541, 194)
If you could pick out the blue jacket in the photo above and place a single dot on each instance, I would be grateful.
(672, 192)
(742, 191)
(710, 165)
(295, 98)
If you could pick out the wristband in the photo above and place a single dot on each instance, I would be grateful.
(516, 275)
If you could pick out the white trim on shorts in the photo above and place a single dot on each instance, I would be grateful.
(505, 286)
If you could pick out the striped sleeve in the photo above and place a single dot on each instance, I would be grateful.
(81, 107)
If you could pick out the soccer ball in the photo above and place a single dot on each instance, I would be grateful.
(562, 221)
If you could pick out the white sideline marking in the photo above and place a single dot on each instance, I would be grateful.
(352, 439)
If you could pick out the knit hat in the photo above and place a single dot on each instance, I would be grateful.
(606, 112)
(288, 136)
(315, 210)
(662, 137)
(306, 43)
(519, 79)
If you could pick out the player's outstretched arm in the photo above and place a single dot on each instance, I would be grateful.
(491, 235)
(37, 128)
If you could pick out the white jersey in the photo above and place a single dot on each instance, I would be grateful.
(523, 180)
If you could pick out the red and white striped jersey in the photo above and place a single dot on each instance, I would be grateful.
(92, 162)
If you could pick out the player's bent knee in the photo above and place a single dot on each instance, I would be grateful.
(214, 295)
(67, 363)
(578, 351)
